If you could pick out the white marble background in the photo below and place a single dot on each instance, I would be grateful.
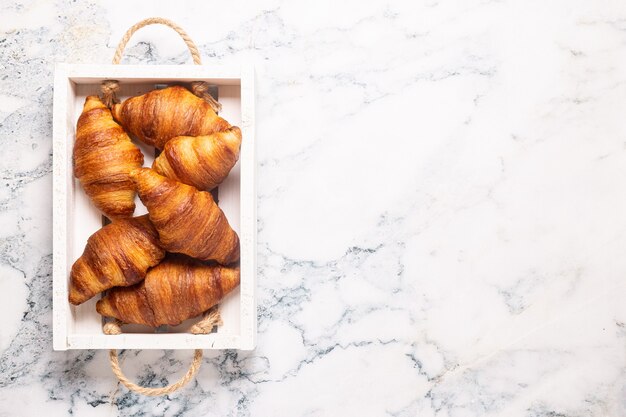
(442, 208)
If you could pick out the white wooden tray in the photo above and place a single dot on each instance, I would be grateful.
(75, 218)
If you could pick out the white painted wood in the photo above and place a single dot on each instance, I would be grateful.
(75, 218)
(248, 217)
(154, 341)
(229, 201)
(60, 196)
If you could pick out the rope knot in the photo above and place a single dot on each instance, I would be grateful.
(112, 327)
(201, 89)
(109, 89)
(211, 319)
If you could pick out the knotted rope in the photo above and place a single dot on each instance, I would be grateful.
(211, 319)
(109, 88)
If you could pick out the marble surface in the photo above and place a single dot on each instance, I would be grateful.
(442, 216)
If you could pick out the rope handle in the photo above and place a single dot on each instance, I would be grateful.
(211, 319)
(109, 88)
(193, 49)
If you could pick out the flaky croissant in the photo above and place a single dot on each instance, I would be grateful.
(103, 157)
(119, 254)
(160, 115)
(177, 289)
(188, 220)
(201, 161)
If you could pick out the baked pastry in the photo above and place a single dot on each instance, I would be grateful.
(177, 289)
(103, 157)
(119, 254)
(188, 220)
(201, 161)
(161, 115)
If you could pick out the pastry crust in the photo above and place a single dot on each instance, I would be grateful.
(201, 161)
(119, 254)
(188, 220)
(103, 157)
(175, 290)
(161, 115)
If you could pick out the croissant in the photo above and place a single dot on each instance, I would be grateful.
(119, 254)
(201, 161)
(173, 291)
(188, 220)
(103, 157)
(160, 115)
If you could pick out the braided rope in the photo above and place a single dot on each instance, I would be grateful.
(155, 392)
(109, 88)
(211, 319)
(193, 49)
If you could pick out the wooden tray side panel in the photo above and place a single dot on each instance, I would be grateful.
(248, 315)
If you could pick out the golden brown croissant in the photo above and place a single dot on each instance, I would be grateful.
(160, 115)
(119, 254)
(103, 157)
(188, 220)
(201, 161)
(175, 290)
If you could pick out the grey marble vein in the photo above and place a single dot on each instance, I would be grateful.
(441, 221)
